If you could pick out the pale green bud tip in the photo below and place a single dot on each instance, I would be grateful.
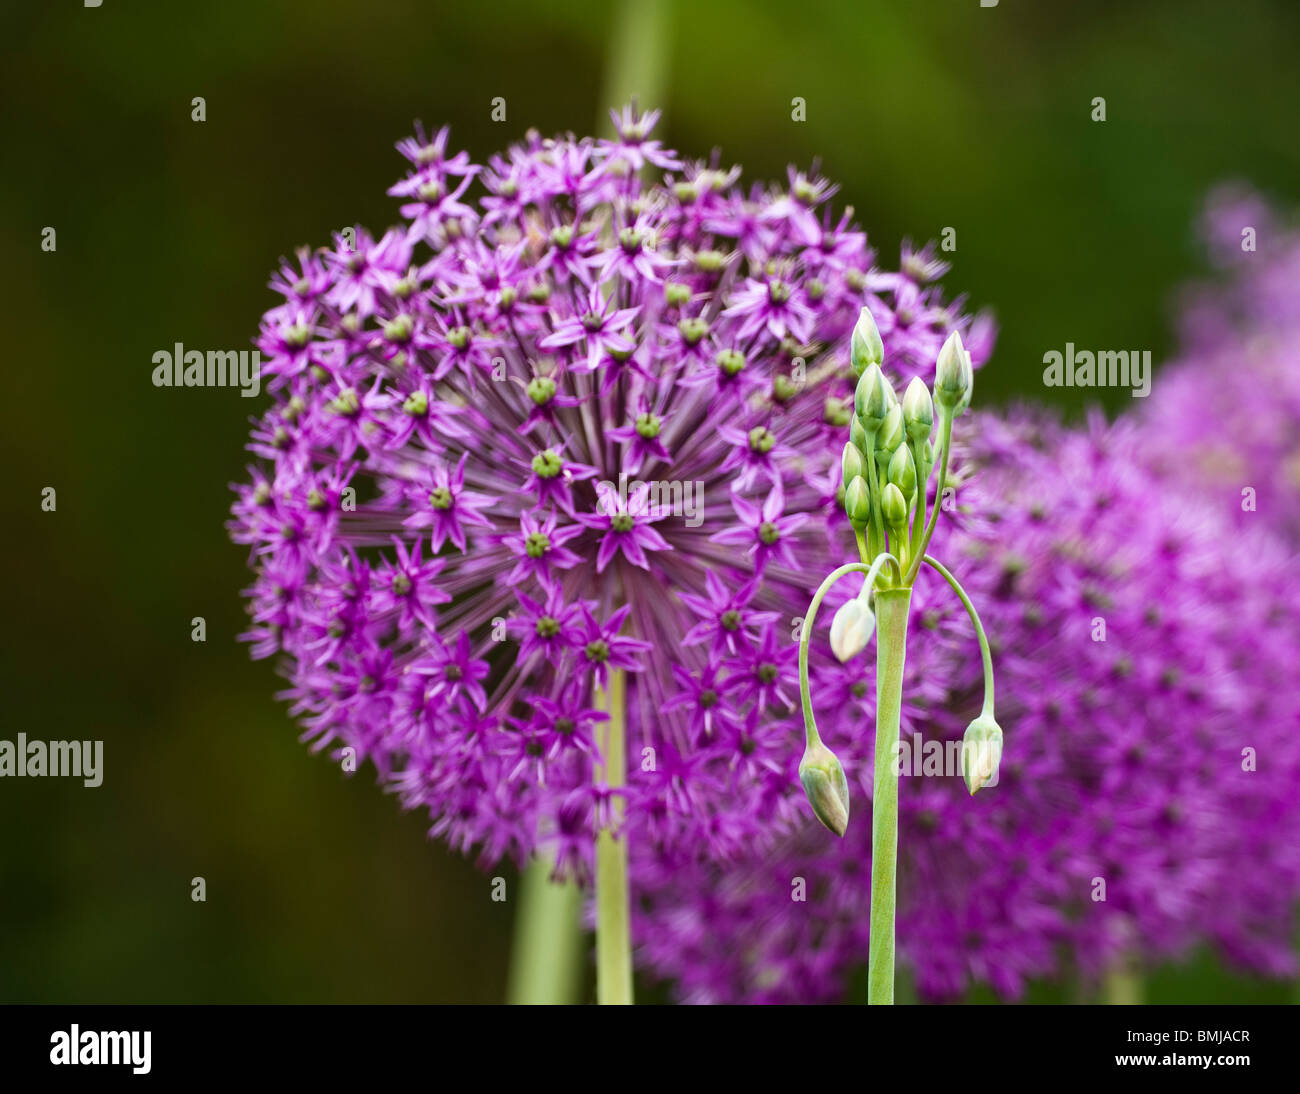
(918, 410)
(852, 464)
(870, 398)
(866, 348)
(953, 374)
(851, 629)
(823, 780)
(893, 506)
(902, 471)
(981, 753)
(857, 501)
(891, 433)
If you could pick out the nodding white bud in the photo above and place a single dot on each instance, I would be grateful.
(851, 629)
(857, 502)
(871, 398)
(893, 506)
(823, 780)
(953, 375)
(852, 464)
(981, 753)
(865, 347)
(918, 411)
(902, 470)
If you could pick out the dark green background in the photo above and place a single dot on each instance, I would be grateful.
(929, 113)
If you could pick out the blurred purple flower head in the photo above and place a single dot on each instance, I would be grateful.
(1149, 797)
(577, 422)
(1227, 420)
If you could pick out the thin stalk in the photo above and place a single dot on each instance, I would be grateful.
(613, 919)
(545, 959)
(811, 737)
(985, 654)
(945, 435)
(892, 608)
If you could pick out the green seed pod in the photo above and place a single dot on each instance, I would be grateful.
(857, 502)
(823, 780)
(865, 347)
(953, 375)
(852, 463)
(918, 411)
(902, 470)
(893, 506)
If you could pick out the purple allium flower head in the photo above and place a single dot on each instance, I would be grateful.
(1225, 417)
(1149, 796)
(449, 554)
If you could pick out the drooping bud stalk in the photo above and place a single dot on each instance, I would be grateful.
(981, 753)
(865, 347)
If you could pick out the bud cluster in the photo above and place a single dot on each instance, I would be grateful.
(890, 455)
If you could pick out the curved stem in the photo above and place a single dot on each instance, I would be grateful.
(945, 433)
(613, 919)
(811, 737)
(985, 654)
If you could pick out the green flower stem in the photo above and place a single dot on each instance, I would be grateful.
(873, 481)
(613, 921)
(985, 654)
(811, 737)
(945, 438)
(892, 607)
(922, 496)
(545, 959)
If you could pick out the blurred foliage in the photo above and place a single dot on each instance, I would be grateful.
(929, 114)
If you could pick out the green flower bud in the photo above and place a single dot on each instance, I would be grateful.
(902, 470)
(918, 411)
(893, 506)
(852, 463)
(865, 347)
(981, 753)
(857, 502)
(858, 437)
(823, 780)
(953, 375)
(891, 433)
(871, 399)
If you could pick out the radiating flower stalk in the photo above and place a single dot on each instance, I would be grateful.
(887, 466)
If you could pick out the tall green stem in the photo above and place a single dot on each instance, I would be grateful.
(545, 959)
(613, 920)
(892, 608)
